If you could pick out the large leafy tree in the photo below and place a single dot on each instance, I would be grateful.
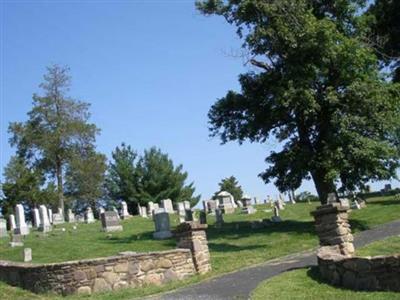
(385, 29)
(56, 127)
(231, 185)
(315, 87)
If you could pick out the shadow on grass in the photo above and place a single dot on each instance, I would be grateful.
(357, 225)
(385, 202)
(145, 236)
(223, 247)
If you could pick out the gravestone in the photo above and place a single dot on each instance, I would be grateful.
(101, 210)
(36, 218)
(89, 217)
(27, 255)
(188, 215)
(344, 202)
(124, 211)
(203, 217)
(226, 202)
(150, 208)
(70, 216)
(167, 205)
(186, 205)
(211, 206)
(219, 219)
(144, 211)
(356, 205)
(3, 228)
(50, 212)
(246, 200)
(156, 206)
(248, 210)
(45, 225)
(279, 205)
(16, 241)
(276, 218)
(181, 212)
(239, 203)
(116, 210)
(21, 227)
(204, 202)
(161, 222)
(58, 218)
(110, 221)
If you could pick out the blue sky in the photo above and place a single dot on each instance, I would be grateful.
(150, 69)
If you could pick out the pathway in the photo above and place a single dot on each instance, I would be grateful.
(240, 284)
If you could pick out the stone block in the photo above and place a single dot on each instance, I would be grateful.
(100, 285)
(110, 277)
(121, 267)
(163, 263)
(146, 265)
(84, 290)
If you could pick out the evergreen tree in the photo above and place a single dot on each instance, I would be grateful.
(56, 127)
(316, 88)
(231, 185)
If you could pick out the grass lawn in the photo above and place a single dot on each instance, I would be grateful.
(305, 284)
(385, 247)
(232, 247)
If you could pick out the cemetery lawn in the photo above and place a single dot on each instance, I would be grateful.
(232, 247)
(305, 284)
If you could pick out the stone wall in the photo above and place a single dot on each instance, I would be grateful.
(101, 274)
(379, 273)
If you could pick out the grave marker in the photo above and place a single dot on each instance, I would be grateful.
(161, 222)
(21, 227)
(44, 219)
(110, 221)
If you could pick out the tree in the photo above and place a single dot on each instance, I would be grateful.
(231, 185)
(122, 178)
(150, 177)
(85, 178)
(24, 184)
(316, 88)
(160, 179)
(56, 127)
(385, 31)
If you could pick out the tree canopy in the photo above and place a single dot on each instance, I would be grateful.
(231, 185)
(56, 133)
(150, 177)
(315, 87)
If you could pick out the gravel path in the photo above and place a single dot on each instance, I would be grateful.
(240, 284)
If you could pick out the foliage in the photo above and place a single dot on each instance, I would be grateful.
(56, 130)
(24, 184)
(231, 185)
(385, 33)
(150, 177)
(306, 197)
(316, 89)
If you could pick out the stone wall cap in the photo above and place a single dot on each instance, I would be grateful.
(8, 263)
(190, 226)
(329, 209)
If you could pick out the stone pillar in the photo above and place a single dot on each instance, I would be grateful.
(333, 228)
(192, 235)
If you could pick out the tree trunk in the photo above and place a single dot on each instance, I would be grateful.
(60, 189)
(323, 186)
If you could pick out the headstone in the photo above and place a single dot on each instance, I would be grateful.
(44, 219)
(11, 219)
(161, 221)
(203, 217)
(50, 211)
(239, 203)
(276, 218)
(70, 216)
(36, 218)
(356, 205)
(3, 228)
(21, 228)
(167, 205)
(58, 218)
(226, 202)
(89, 217)
(248, 210)
(101, 210)
(181, 212)
(80, 218)
(246, 200)
(116, 210)
(279, 205)
(362, 203)
(144, 211)
(211, 206)
(124, 211)
(150, 208)
(27, 254)
(344, 202)
(256, 200)
(16, 240)
(156, 206)
(186, 205)
(188, 215)
(219, 219)
(204, 206)
(110, 221)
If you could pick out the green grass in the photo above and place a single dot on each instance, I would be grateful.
(232, 247)
(305, 284)
(387, 246)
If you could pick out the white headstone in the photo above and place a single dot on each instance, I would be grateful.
(22, 227)
(3, 228)
(27, 254)
(276, 218)
(36, 218)
(150, 208)
(124, 210)
(70, 216)
(44, 219)
(187, 205)
(89, 217)
(116, 210)
(167, 205)
(50, 211)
